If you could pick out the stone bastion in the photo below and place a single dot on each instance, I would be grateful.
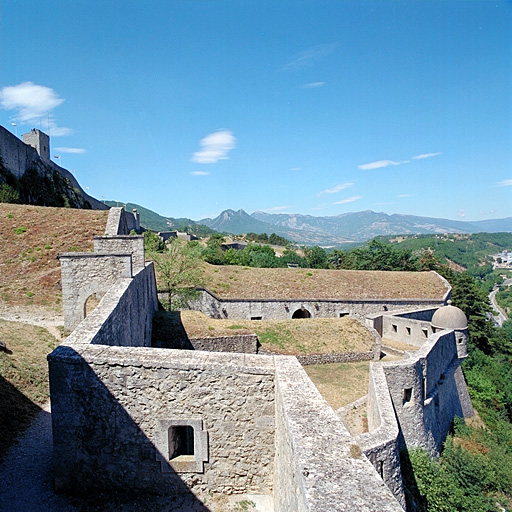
(128, 416)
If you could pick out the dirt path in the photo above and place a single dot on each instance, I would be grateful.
(34, 315)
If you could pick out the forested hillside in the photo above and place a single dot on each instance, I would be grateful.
(469, 251)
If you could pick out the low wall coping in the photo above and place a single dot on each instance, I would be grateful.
(313, 299)
(78, 255)
(164, 358)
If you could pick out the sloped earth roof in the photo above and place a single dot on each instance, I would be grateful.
(232, 282)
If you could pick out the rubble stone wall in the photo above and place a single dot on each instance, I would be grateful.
(109, 405)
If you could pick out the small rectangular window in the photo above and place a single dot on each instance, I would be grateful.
(408, 329)
(395, 328)
(181, 441)
(425, 333)
(406, 395)
(256, 317)
(343, 313)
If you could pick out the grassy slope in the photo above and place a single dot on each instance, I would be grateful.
(292, 337)
(23, 377)
(31, 238)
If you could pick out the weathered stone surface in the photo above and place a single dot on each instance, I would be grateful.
(319, 465)
(110, 410)
(268, 309)
(121, 408)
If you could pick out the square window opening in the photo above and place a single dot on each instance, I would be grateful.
(181, 441)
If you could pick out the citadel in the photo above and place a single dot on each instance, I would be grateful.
(222, 418)
(225, 419)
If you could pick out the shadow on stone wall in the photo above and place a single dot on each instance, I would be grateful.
(413, 499)
(169, 332)
(99, 449)
(17, 412)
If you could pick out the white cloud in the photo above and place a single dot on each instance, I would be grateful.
(33, 103)
(386, 163)
(461, 213)
(504, 183)
(313, 85)
(337, 188)
(200, 173)
(77, 151)
(424, 155)
(214, 147)
(307, 57)
(348, 200)
(276, 209)
(295, 169)
(377, 165)
(405, 195)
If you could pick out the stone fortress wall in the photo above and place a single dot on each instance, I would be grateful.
(19, 155)
(275, 309)
(126, 415)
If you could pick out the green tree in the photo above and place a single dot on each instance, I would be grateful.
(316, 257)
(380, 256)
(468, 296)
(152, 242)
(8, 194)
(342, 260)
(290, 256)
(179, 271)
(255, 255)
(213, 252)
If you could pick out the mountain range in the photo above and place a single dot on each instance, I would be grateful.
(339, 230)
(346, 228)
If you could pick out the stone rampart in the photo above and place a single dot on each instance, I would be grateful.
(275, 309)
(128, 244)
(15, 154)
(381, 443)
(84, 274)
(427, 391)
(318, 465)
(17, 157)
(114, 410)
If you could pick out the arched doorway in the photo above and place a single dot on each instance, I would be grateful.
(91, 302)
(301, 313)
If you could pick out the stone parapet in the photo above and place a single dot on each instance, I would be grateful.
(318, 464)
(381, 443)
(245, 343)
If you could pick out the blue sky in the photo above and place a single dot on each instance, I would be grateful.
(314, 107)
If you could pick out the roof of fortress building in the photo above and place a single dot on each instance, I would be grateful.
(231, 282)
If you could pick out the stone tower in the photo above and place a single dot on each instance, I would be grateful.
(40, 142)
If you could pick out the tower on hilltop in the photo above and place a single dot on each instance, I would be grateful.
(40, 142)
